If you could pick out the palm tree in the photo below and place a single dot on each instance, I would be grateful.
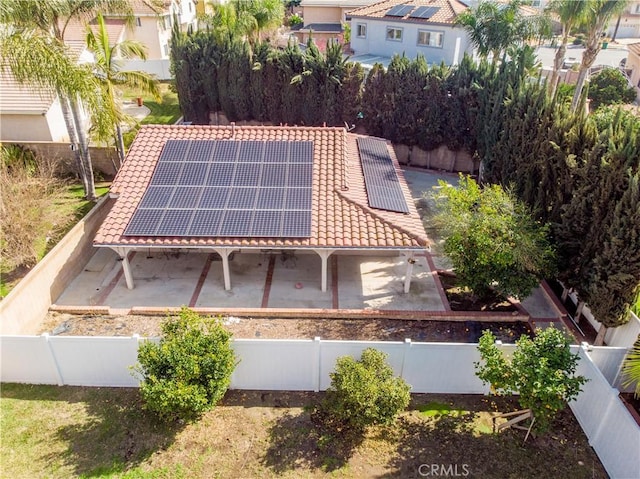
(631, 368)
(246, 19)
(108, 73)
(49, 19)
(495, 27)
(596, 18)
(570, 14)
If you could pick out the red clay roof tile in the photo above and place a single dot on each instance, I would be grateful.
(340, 217)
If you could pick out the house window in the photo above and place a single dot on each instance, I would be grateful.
(637, 6)
(190, 7)
(361, 30)
(394, 34)
(138, 21)
(165, 48)
(430, 39)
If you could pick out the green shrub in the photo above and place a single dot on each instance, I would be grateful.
(610, 87)
(362, 393)
(541, 370)
(578, 40)
(492, 239)
(189, 371)
(295, 20)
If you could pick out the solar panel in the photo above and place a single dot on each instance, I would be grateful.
(228, 188)
(380, 177)
(399, 10)
(424, 12)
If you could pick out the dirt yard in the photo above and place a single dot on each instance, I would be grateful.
(268, 328)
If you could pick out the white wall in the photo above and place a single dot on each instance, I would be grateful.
(612, 431)
(376, 41)
(159, 68)
(305, 365)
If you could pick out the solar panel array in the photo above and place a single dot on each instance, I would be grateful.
(399, 10)
(424, 12)
(228, 188)
(380, 177)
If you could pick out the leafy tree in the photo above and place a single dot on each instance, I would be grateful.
(189, 371)
(595, 20)
(108, 73)
(541, 370)
(608, 87)
(362, 393)
(570, 14)
(492, 239)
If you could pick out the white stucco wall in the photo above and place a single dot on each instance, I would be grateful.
(47, 126)
(633, 63)
(376, 42)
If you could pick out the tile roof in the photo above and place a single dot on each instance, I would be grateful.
(341, 217)
(16, 98)
(449, 10)
(76, 31)
(634, 48)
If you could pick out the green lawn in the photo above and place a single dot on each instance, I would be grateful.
(166, 112)
(50, 431)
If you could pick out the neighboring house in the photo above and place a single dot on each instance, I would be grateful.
(250, 190)
(629, 26)
(153, 29)
(324, 20)
(633, 64)
(28, 114)
(410, 27)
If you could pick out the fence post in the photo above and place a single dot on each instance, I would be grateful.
(56, 368)
(405, 350)
(316, 364)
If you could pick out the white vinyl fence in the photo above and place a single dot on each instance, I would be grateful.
(267, 364)
(612, 431)
(305, 365)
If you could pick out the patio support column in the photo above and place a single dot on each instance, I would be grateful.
(126, 266)
(407, 278)
(324, 256)
(224, 254)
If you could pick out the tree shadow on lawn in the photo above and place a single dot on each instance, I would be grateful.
(462, 444)
(297, 443)
(116, 435)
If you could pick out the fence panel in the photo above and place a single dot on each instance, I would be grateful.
(96, 361)
(608, 360)
(27, 359)
(286, 365)
(612, 431)
(443, 368)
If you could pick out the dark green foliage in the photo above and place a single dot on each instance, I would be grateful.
(189, 371)
(609, 87)
(541, 371)
(362, 393)
(492, 240)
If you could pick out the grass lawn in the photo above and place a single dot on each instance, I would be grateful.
(166, 112)
(69, 207)
(50, 431)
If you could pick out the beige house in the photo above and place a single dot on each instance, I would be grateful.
(626, 25)
(153, 29)
(324, 20)
(633, 64)
(27, 114)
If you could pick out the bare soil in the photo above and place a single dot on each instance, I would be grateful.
(274, 328)
(461, 299)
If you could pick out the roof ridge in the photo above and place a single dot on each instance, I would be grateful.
(421, 240)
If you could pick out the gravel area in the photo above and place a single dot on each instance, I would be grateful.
(274, 328)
